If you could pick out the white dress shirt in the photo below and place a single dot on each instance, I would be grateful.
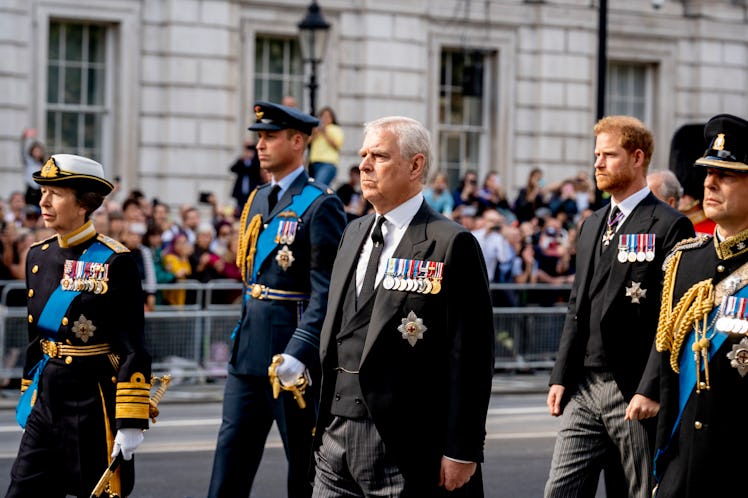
(396, 222)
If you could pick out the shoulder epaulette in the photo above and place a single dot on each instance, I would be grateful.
(324, 188)
(45, 241)
(685, 245)
(111, 243)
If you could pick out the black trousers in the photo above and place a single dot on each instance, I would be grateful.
(248, 413)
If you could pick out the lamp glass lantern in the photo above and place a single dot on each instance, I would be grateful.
(313, 31)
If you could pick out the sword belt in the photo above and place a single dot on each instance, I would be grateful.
(57, 350)
(258, 291)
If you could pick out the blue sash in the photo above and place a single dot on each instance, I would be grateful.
(49, 323)
(687, 376)
(266, 243)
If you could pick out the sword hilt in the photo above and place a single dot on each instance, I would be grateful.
(297, 389)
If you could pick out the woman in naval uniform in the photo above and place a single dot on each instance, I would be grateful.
(86, 378)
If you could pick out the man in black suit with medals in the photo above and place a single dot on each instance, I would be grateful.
(599, 382)
(701, 438)
(407, 344)
(290, 230)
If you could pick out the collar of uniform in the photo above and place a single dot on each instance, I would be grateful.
(78, 236)
(732, 246)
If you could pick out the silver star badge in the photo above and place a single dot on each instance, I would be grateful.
(83, 328)
(285, 258)
(635, 292)
(739, 356)
(412, 328)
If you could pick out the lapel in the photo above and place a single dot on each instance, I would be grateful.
(415, 244)
(344, 270)
(296, 187)
(587, 249)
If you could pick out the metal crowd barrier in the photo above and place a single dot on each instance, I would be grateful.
(192, 342)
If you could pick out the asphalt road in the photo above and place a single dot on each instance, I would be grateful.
(176, 457)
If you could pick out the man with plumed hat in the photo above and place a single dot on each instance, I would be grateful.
(701, 336)
(290, 230)
(86, 377)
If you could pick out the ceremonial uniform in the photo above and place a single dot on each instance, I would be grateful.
(702, 337)
(86, 373)
(285, 254)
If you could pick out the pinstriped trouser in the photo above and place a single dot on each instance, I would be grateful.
(595, 415)
(352, 462)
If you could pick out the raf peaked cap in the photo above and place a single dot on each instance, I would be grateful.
(728, 143)
(274, 117)
(76, 172)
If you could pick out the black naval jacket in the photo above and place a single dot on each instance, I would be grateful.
(706, 456)
(67, 423)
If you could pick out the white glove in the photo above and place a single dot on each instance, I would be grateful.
(127, 441)
(289, 370)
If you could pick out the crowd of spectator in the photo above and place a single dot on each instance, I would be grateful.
(528, 239)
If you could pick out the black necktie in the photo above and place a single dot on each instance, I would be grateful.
(367, 289)
(273, 197)
(610, 230)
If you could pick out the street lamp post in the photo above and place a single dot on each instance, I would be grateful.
(313, 40)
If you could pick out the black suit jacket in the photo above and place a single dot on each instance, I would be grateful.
(627, 328)
(430, 399)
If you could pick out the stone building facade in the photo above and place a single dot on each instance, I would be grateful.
(160, 91)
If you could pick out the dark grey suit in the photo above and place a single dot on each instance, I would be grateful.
(430, 399)
(599, 307)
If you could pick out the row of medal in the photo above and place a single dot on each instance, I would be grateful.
(85, 276)
(412, 275)
(734, 318)
(636, 247)
(286, 230)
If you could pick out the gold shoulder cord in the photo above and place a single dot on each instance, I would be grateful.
(690, 313)
(247, 238)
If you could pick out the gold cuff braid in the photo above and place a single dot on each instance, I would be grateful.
(133, 398)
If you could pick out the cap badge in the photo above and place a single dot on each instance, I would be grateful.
(258, 112)
(50, 169)
(719, 142)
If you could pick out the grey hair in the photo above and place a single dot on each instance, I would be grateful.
(412, 138)
(669, 185)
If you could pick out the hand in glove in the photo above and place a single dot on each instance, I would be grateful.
(127, 441)
(289, 370)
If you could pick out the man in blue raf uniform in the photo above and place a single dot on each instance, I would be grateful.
(701, 438)
(86, 374)
(291, 228)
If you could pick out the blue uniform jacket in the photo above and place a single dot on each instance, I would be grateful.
(269, 327)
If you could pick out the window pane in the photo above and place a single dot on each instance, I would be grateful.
(53, 84)
(51, 131)
(275, 90)
(95, 87)
(73, 42)
(54, 41)
(455, 109)
(72, 85)
(69, 131)
(92, 131)
(278, 69)
(275, 63)
(96, 43)
(474, 111)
